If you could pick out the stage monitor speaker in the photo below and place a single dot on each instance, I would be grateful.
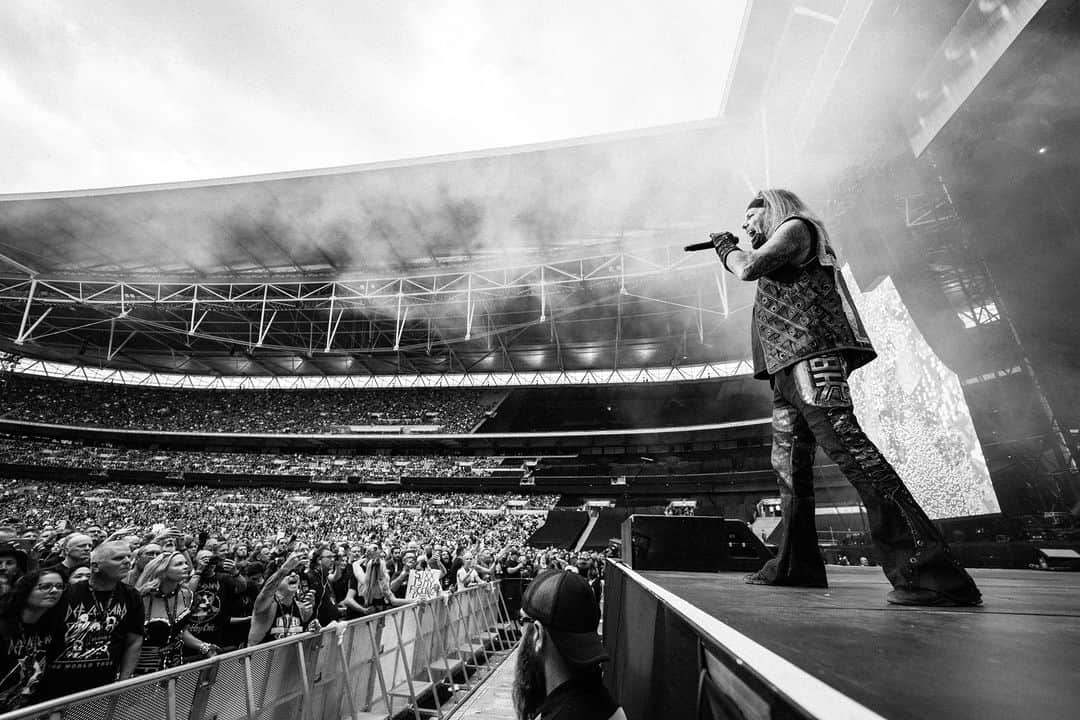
(692, 543)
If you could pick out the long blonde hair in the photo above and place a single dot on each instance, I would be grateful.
(151, 576)
(781, 204)
(376, 578)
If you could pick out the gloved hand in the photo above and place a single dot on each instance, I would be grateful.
(724, 243)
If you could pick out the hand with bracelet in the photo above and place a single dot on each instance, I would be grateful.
(725, 243)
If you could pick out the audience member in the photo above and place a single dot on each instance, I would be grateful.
(31, 635)
(76, 551)
(558, 668)
(167, 604)
(278, 612)
(103, 625)
(13, 563)
(321, 576)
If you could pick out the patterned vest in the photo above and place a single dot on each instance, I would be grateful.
(802, 312)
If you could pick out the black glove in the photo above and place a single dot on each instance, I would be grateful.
(724, 243)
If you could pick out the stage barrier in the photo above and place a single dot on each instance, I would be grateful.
(670, 659)
(372, 667)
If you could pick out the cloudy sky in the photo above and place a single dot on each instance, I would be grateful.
(121, 92)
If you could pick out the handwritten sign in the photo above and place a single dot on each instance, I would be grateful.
(423, 585)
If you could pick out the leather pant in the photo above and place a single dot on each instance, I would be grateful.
(812, 405)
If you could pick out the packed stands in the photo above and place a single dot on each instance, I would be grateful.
(71, 454)
(90, 404)
(254, 512)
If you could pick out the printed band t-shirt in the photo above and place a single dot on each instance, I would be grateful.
(210, 610)
(25, 652)
(287, 621)
(96, 626)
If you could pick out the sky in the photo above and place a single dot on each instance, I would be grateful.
(123, 92)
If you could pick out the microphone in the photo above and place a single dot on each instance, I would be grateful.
(707, 245)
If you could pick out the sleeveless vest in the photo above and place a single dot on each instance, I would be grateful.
(806, 311)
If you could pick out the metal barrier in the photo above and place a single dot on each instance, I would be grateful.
(372, 667)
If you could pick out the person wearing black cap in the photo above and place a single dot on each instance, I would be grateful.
(13, 563)
(558, 667)
(806, 337)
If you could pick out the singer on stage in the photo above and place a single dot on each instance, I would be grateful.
(807, 337)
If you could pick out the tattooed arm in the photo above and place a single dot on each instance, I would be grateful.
(791, 243)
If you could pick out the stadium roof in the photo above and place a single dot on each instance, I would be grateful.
(560, 257)
(496, 207)
(531, 263)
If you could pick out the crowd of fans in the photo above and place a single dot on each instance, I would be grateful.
(99, 583)
(108, 405)
(387, 468)
(255, 511)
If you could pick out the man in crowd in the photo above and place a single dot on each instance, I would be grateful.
(97, 535)
(76, 553)
(806, 338)
(13, 563)
(243, 605)
(143, 555)
(103, 625)
(509, 566)
(399, 582)
(558, 667)
(394, 561)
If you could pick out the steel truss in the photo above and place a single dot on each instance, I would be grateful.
(187, 305)
(565, 322)
(969, 286)
(64, 371)
(932, 217)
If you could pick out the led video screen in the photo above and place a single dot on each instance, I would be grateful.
(912, 406)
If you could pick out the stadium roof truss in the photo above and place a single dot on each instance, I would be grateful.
(587, 320)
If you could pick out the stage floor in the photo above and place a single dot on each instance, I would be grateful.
(1016, 656)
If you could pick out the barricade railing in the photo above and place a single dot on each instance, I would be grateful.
(404, 659)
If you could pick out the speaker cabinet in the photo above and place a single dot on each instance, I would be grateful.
(691, 543)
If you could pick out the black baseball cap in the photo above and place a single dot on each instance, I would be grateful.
(10, 549)
(565, 605)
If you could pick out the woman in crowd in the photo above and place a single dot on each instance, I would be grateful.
(352, 577)
(279, 610)
(31, 635)
(167, 607)
(371, 593)
(467, 574)
(485, 565)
